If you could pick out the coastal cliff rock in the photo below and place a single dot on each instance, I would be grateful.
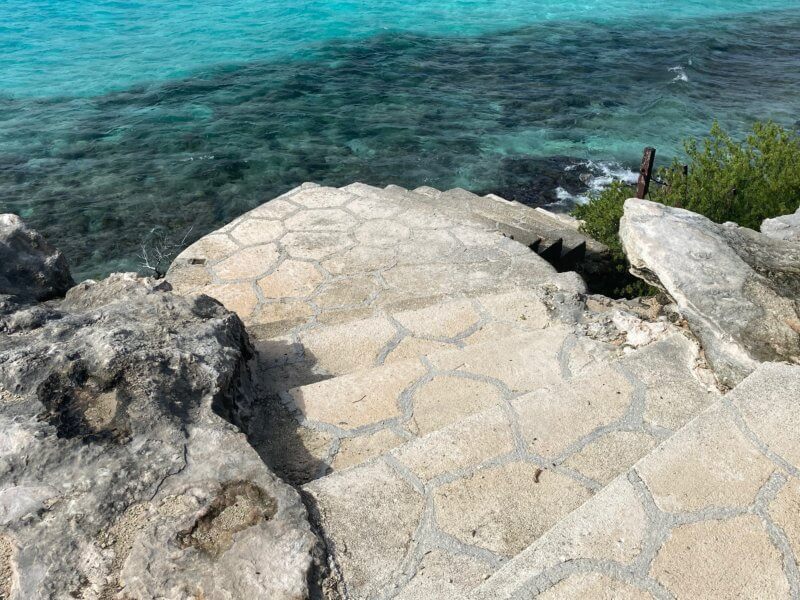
(786, 227)
(739, 290)
(30, 268)
(123, 470)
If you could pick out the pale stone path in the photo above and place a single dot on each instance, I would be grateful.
(714, 512)
(444, 398)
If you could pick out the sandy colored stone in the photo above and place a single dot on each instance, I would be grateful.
(427, 245)
(785, 512)
(274, 209)
(491, 332)
(360, 259)
(607, 457)
(505, 508)
(470, 236)
(554, 417)
(291, 278)
(348, 314)
(322, 197)
(354, 451)
(248, 263)
(371, 208)
(423, 220)
(189, 278)
(441, 574)
(275, 318)
(446, 278)
(673, 396)
(768, 403)
(586, 353)
(593, 585)
(520, 308)
(314, 219)
(464, 444)
(256, 231)
(447, 398)
(445, 320)
(357, 399)
(237, 297)
(370, 515)
(611, 527)
(523, 362)
(211, 248)
(314, 245)
(411, 347)
(721, 559)
(382, 233)
(710, 464)
(340, 349)
(347, 292)
(6, 566)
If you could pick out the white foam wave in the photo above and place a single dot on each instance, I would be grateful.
(596, 176)
(680, 73)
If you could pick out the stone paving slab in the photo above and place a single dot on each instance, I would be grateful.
(414, 398)
(493, 481)
(325, 255)
(512, 218)
(389, 337)
(711, 513)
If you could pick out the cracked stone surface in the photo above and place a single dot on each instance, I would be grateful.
(123, 470)
(462, 421)
(496, 479)
(738, 289)
(343, 247)
(712, 506)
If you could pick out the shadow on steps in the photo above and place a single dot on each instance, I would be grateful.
(295, 453)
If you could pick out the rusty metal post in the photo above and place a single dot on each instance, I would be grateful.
(645, 172)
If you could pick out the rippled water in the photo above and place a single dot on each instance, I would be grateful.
(116, 117)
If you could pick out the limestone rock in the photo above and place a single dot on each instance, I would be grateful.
(30, 268)
(123, 472)
(739, 290)
(786, 227)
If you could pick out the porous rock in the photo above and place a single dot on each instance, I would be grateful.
(739, 290)
(786, 227)
(30, 268)
(123, 468)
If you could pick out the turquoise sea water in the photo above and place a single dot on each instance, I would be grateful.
(120, 116)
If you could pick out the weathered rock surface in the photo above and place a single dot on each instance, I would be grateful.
(786, 227)
(739, 290)
(30, 268)
(123, 473)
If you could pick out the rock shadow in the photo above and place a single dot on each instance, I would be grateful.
(295, 453)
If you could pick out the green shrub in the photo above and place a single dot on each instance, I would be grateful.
(745, 182)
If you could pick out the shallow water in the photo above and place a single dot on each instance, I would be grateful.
(117, 117)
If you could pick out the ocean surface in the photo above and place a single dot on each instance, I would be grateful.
(119, 118)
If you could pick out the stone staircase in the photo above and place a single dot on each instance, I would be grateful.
(465, 422)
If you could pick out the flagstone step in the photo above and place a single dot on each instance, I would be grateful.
(324, 350)
(325, 255)
(512, 436)
(521, 222)
(713, 512)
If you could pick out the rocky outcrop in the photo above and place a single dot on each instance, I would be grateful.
(739, 290)
(30, 268)
(123, 472)
(786, 227)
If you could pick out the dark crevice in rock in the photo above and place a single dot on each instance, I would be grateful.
(81, 406)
